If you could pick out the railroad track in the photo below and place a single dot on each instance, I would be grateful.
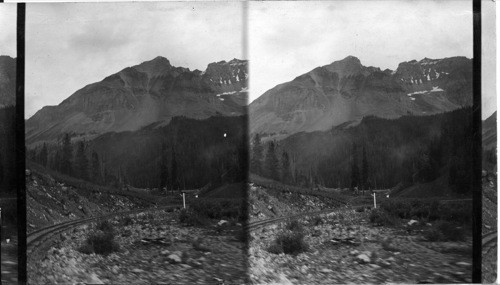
(37, 238)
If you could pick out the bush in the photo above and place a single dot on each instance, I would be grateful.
(99, 242)
(197, 245)
(430, 210)
(289, 243)
(192, 218)
(316, 221)
(127, 221)
(460, 213)
(294, 226)
(432, 235)
(382, 218)
(215, 208)
(445, 231)
(105, 226)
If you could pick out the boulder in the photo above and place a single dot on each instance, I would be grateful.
(412, 222)
(174, 258)
(363, 258)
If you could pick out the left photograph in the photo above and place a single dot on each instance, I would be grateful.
(136, 142)
(8, 193)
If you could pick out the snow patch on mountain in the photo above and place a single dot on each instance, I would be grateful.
(436, 89)
(417, 92)
(226, 93)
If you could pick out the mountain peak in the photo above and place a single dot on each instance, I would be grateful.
(345, 67)
(351, 58)
(155, 66)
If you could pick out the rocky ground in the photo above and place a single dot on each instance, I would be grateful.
(154, 249)
(266, 203)
(489, 262)
(50, 202)
(345, 248)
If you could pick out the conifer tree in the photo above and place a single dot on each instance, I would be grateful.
(354, 168)
(271, 162)
(67, 151)
(285, 167)
(43, 155)
(173, 174)
(95, 167)
(163, 167)
(81, 161)
(256, 159)
(364, 169)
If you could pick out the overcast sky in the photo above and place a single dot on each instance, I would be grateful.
(8, 18)
(488, 59)
(292, 38)
(71, 45)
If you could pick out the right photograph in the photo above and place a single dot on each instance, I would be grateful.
(361, 139)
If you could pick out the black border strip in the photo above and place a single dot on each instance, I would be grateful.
(20, 142)
(477, 147)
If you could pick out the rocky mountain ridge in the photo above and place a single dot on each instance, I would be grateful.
(346, 91)
(151, 92)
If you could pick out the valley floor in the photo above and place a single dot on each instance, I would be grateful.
(154, 249)
(347, 249)
(344, 247)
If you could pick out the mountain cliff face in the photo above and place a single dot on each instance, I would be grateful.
(137, 96)
(347, 91)
(7, 81)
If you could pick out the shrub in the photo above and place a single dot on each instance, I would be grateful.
(105, 226)
(197, 245)
(192, 218)
(429, 210)
(450, 231)
(460, 213)
(382, 218)
(432, 235)
(127, 221)
(294, 226)
(215, 208)
(360, 209)
(317, 221)
(445, 231)
(99, 242)
(289, 243)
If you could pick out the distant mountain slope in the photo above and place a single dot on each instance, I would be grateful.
(347, 91)
(151, 92)
(7, 81)
(490, 132)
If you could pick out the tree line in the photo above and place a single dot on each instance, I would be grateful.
(185, 154)
(377, 153)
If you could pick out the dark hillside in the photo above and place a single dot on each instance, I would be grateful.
(7, 151)
(407, 151)
(185, 154)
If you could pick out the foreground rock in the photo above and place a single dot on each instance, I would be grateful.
(176, 262)
(376, 255)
